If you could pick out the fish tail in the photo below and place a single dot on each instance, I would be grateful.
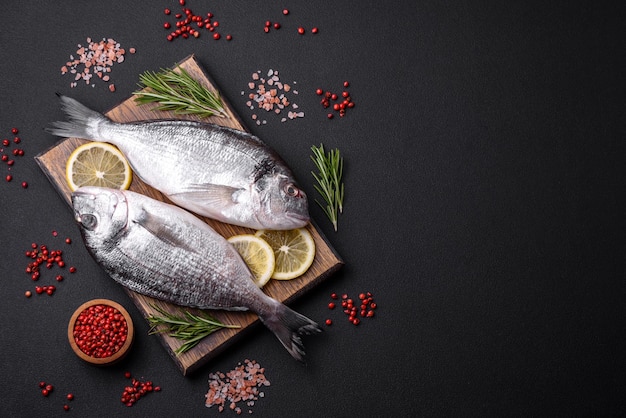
(288, 325)
(82, 122)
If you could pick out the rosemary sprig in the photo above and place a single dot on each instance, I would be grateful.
(178, 92)
(329, 184)
(189, 327)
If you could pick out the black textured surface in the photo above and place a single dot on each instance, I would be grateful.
(484, 180)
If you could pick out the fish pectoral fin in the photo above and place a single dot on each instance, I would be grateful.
(161, 229)
(212, 195)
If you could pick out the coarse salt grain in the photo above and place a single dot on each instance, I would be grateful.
(239, 385)
(95, 58)
(270, 95)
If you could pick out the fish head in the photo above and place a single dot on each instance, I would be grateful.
(283, 204)
(101, 212)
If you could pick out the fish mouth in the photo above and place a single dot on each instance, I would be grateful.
(298, 217)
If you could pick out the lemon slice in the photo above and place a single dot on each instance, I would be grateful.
(257, 254)
(98, 164)
(294, 251)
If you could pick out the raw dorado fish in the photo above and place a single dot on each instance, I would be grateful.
(165, 252)
(218, 172)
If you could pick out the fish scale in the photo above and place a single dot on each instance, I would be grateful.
(214, 171)
(165, 252)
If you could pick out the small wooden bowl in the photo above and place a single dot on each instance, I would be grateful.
(117, 356)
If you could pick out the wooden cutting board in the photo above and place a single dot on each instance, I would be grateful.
(326, 262)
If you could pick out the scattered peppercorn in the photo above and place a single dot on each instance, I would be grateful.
(136, 390)
(365, 309)
(340, 107)
(188, 23)
(42, 255)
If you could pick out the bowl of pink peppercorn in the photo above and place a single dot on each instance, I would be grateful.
(100, 332)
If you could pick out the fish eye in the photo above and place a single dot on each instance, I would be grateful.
(89, 221)
(291, 190)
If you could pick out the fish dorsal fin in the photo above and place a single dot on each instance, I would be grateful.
(211, 195)
(161, 229)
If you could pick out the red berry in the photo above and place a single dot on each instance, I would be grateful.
(14, 131)
(276, 25)
(314, 30)
(24, 185)
(66, 407)
(319, 92)
(329, 116)
(301, 30)
(216, 36)
(167, 25)
(285, 12)
(346, 84)
(229, 37)
(331, 305)
(333, 296)
(70, 396)
(9, 177)
(329, 322)
(167, 11)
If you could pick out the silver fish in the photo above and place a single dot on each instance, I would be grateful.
(218, 172)
(162, 251)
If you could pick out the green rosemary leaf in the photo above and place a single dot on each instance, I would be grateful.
(187, 327)
(177, 91)
(329, 184)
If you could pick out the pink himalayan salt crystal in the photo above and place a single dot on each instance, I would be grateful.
(95, 58)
